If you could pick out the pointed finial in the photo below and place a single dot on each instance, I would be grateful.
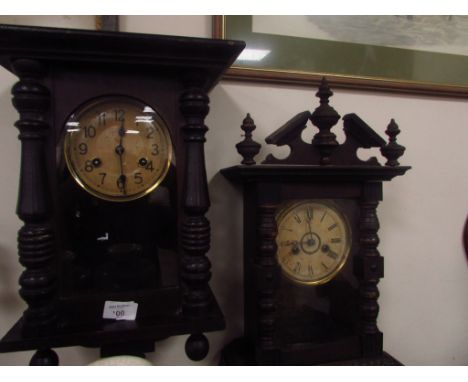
(248, 148)
(324, 92)
(392, 150)
(324, 117)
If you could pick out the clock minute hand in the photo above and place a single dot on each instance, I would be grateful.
(310, 227)
(122, 179)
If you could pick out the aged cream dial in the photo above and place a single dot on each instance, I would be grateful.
(117, 148)
(313, 241)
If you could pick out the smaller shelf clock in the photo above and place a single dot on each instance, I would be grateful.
(311, 263)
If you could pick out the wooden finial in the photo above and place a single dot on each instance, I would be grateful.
(248, 148)
(324, 92)
(324, 117)
(392, 150)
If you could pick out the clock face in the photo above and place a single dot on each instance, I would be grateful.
(313, 241)
(117, 148)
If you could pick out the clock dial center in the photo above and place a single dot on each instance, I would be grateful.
(310, 243)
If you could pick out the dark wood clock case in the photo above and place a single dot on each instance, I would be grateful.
(336, 322)
(157, 246)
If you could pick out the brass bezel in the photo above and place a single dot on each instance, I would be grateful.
(331, 205)
(126, 99)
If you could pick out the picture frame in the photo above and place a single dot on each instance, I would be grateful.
(359, 66)
(107, 23)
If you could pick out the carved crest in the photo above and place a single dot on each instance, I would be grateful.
(324, 150)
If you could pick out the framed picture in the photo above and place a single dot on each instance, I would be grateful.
(107, 23)
(103, 23)
(410, 54)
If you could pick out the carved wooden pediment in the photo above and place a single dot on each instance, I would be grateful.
(324, 149)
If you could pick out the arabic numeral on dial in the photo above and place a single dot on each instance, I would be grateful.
(119, 114)
(90, 131)
(138, 178)
(83, 148)
(89, 166)
(151, 131)
(103, 176)
(102, 119)
(149, 166)
(121, 180)
(155, 150)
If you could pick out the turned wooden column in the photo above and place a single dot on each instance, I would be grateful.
(266, 278)
(195, 233)
(370, 270)
(36, 244)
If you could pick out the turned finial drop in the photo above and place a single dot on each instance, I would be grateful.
(392, 150)
(248, 148)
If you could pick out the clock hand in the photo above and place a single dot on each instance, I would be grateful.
(121, 183)
(308, 223)
(121, 131)
(310, 241)
(122, 179)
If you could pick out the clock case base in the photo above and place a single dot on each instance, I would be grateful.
(240, 353)
(115, 337)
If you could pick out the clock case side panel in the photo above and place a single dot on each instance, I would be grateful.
(261, 274)
(72, 86)
(250, 247)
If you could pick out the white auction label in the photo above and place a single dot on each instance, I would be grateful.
(120, 310)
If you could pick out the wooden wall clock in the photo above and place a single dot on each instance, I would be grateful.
(311, 263)
(113, 190)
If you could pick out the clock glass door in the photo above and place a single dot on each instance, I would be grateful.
(314, 253)
(118, 194)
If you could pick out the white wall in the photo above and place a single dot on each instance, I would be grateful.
(424, 309)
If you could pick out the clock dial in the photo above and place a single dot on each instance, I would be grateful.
(313, 241)
(117, 148)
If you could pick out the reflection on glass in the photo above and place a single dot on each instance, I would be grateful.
(253, 54)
